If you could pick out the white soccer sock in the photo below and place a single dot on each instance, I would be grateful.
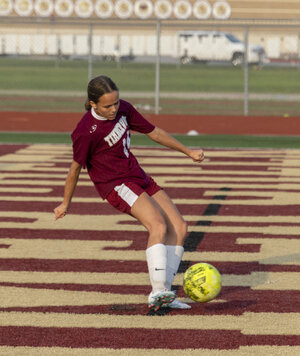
(174, 256)
(157, 265)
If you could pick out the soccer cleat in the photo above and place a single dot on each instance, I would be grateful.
(159, 299)
(177, 304)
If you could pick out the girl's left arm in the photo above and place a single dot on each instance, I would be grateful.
(162, 137)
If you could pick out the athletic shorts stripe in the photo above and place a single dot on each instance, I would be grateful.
(126, 194)
(123, 196)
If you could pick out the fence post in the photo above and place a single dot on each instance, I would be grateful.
(157, 68)
(90, 58)
(246, 74)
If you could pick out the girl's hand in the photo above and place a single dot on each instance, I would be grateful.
(197, 155)
(60, 211)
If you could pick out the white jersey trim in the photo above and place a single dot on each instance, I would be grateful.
(96, 116)
(126, 194)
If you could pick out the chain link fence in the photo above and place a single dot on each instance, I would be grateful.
(249, 68)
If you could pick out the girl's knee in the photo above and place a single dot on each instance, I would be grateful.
(158, 230)
(182, 229)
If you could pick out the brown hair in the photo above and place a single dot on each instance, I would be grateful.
(97, 87)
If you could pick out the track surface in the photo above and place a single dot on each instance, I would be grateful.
(177, 124)
(79, 286)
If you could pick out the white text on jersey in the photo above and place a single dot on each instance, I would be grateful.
(117, 132)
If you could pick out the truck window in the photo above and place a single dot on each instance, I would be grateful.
(232, 38)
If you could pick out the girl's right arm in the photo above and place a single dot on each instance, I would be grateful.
(70, 185)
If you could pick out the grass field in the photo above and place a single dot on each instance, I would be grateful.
(50, 103)
(36, 85)
(208, 141)
(72, 75)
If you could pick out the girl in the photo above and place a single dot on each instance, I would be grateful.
(101, 143)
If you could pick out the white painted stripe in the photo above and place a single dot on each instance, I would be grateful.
(24, 190)
(65, 351)
(255, 280)
(247, 324)
(119, 250)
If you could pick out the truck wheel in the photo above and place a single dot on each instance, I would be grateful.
(185, 60)
(237, 59)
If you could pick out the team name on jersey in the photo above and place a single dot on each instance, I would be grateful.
(118, 131)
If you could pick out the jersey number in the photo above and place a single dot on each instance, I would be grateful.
(126, 144)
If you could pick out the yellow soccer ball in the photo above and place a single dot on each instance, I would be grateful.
(202, 282)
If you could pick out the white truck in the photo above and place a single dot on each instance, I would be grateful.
(204, 46)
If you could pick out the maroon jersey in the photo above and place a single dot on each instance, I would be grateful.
(103, 147)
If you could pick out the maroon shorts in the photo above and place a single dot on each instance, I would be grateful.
(123, 196)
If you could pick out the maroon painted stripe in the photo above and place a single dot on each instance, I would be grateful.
(213, 241)
(76, 208)
(56, 191)
(115, 309)
(91, 235)
(43, 265)
(6, 149)
(4, 246)
(20, 220)
(137, 338)
(119, 289)
(252, 224)
(256, 210)
(185, 209)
